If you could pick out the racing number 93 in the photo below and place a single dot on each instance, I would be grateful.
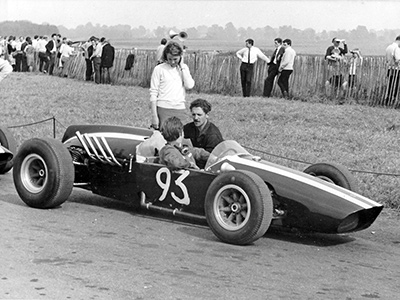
(165, 185)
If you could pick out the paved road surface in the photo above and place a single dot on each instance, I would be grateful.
(95, 248)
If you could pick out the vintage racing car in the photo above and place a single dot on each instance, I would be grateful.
(8, 147)
(238, 194)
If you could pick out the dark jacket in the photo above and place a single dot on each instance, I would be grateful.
(278, 55)
(130, 60)
(49, 46)
(107, 56)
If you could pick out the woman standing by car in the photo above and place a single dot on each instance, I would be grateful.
(168, 85)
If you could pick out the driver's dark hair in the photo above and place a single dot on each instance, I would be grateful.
(172, 129)
(202, 103)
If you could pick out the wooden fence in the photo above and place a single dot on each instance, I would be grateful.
(219, 73)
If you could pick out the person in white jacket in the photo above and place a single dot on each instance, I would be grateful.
(168, 85)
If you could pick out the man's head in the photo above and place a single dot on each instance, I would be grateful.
(249, 42)
(163, 41)
(172, 129)
(397, 40)
(286, 43)
(277, 42)
(199, 109)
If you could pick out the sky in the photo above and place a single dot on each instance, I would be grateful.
(317, 14)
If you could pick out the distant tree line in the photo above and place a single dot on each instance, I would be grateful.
(215, 32)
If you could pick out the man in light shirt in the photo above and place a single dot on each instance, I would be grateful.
(393, 63)
(249, 55)
(286, 67)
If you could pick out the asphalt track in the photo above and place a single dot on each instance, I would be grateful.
(95, 248)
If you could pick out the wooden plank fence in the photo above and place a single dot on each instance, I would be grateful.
(219, 73)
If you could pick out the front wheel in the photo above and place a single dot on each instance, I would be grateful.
(7, 141)
(43, 173)
(238, 207)
(333, 173)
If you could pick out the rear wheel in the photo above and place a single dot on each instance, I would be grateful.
(7, 141)
(238, 207)
(43, 173)
(333, 173)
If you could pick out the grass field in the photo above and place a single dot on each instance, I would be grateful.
(291, 133)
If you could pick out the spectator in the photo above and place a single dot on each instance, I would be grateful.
(5, 69)
(273, 67)
(393, 73)
(88, 49)
(11, 51)
(66, 51)
(201, 132)
(168, 83)
(286, 67)
(334, 56)
(35, 41)
(96, 58)
(160, 49)
(43, 56)
(18, 54)
(24, 64)
(174, 155)
(354, 66)
(248, 55)
(107, 60)
(130, 59)
(51, 50)
(29, 54)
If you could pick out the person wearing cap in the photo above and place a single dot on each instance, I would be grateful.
(249, 55)
(334, 56)
(354, 65)
(393, 73)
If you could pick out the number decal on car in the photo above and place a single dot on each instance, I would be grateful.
(178, 182)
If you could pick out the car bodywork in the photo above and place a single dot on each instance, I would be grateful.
(105, 161)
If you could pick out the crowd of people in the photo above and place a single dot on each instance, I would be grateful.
(171, 78)
(45, 54)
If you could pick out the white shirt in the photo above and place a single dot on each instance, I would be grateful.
(287, 59)
(255, 53)
(167, 85)
(66, 50)
(393, 54)
(160, 50)
(41, 45)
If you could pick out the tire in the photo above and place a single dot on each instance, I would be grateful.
(238, 207)
(334, 173)
(43, 173)
(7, 140)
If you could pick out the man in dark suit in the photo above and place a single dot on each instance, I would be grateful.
(273, 67)
(107, 60)
(51, 50)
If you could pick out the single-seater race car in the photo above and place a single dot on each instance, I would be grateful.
(8, 147)
(238, 194)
